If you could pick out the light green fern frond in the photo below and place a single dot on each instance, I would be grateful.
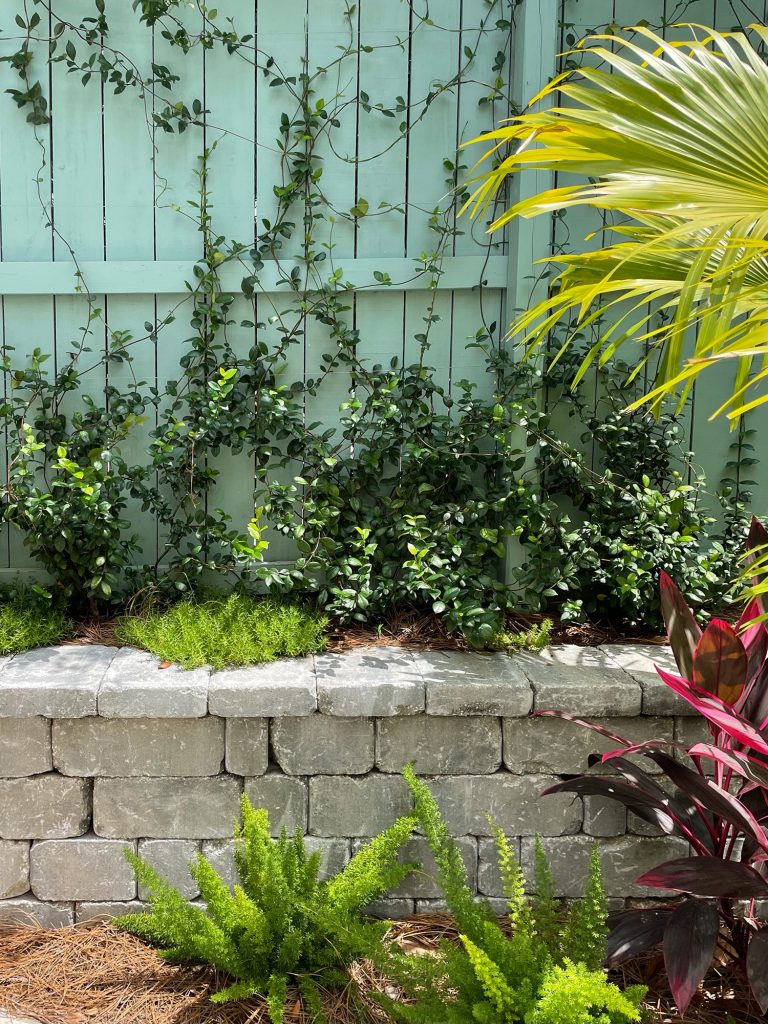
(491, 977)
(513, 884)
(544, 902)
(373, 870)
(573, 994)
(585, 933)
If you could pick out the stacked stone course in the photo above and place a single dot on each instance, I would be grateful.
(102, 749)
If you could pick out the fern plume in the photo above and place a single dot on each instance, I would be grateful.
(280, 925)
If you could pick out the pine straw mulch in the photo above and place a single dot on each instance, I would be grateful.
(411, 628)
(96, 974)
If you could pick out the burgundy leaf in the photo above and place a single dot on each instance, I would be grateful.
(682, 629)
(720, 662)
(754, 638)
(633, 932)
(713, 798)
(707, 876)
(648, 807)
(742, 764)
(715, 711)
(689, 945)
(757, 968)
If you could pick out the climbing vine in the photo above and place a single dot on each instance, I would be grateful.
(413, 495)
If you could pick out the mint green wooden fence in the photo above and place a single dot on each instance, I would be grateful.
(85, 187)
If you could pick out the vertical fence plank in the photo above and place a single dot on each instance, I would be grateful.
(231, 179)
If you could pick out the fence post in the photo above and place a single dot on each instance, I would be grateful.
(534, 63)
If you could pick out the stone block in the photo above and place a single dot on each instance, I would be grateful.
(25, 747)
(140, 747)
(582, 681)
(323, 745)
(370, 682)
(107, 910)
(390, 909)
(604, 817)
(54, 682)
(464, 683)
(540, 745)
(88, 868)
(280, 689)
(44, 807)
(513, 801)
(247, 746)
(488, 874)
(171, 858)
(14, 869)
(284, 798)
(639, 661)
(166, 808)
(335, 854)
(691, 730)
(136, 687)
(439, 746)
(424, 883)
(361, 806)
(27, 910)
(622, 860)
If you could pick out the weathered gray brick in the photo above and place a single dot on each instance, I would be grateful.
(513, 801)
(541, 744)
(107, 911)
(390, 909)
(622, 860)
(44, 807)
(639, 661)
(360, 806)
(54, 682)
(582, 681)
(464, 683)
(423, 883)
(323, 745)
(370, 682)
(277, 690)
(439, 746)
(335, 854)
(488, 874)
(247, 746)
(126, 747)
(25, 747)
(136, 687)
(283, 797)
(14, 869)
(166, 808)
(28, 910)
(81, 869)
(604, 817)
(691, 730)
(171, 858)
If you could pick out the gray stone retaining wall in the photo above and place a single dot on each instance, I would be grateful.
(102, 749)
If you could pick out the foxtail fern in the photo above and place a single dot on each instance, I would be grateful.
(281, 925)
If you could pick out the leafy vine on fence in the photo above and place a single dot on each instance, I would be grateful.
(412, 498)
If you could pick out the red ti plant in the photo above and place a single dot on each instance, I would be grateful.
(717, 800)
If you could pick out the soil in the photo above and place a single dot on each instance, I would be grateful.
(95, 974)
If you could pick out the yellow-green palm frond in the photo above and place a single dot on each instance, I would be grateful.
(671, 138)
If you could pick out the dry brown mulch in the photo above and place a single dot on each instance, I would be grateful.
(96, 974)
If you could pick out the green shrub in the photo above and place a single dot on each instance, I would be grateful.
(25, 624)
(235, 630)
(546, 971)
(280, 925)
